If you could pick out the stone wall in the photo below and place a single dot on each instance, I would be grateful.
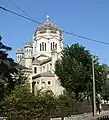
(103, 116)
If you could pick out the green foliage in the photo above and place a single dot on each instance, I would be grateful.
(9, 69)
(19, 76)
(22, 104)
(4, 47)
(19, 104)
(67, 105)
(3, 50)
(5, 61)
(75, 71)
(105, 87)
(105, 91)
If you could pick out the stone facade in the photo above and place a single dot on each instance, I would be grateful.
(40, 56)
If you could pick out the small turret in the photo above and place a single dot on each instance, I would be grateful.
(28, 54)
(19, 55)
(54, 56)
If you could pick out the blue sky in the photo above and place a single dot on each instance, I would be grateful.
(89, 18)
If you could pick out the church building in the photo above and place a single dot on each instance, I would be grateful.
(40, 56)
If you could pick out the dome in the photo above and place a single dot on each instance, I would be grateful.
(47, 25)
(20, 50)
(28, 44)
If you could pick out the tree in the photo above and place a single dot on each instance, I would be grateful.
(3, 66)
(19, 104)
(65, 105)
(75, 71)
(19, 75)
(7, 69)
(47, 102)
(105, 91)
(105, 87)
(22, 104)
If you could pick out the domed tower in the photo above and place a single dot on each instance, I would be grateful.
(19, 55)
(28, 54)
(47, 37)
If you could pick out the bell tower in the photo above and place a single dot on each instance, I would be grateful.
(46, 38)
(28, 54)
(19, 55)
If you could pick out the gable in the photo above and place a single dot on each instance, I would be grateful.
(41, 62)
(42, 57)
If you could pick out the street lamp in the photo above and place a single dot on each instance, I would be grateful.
(94, 96)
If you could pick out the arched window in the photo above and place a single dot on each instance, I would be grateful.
(31, 52)
(40, 47)
(33, 58)
(35, 69)
(45, 46)
(56, 46)
(51, 46)
(18, 57)
(27, 52)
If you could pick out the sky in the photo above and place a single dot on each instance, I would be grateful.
(89, 18)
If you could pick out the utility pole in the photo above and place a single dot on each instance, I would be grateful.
(94, 96)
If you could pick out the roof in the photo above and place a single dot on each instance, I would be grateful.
(20, 50)
(28, 43)
(36, 61)
(40, 62)
(46, 60)
(47, 25)
(44, 74)
(42, 55)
